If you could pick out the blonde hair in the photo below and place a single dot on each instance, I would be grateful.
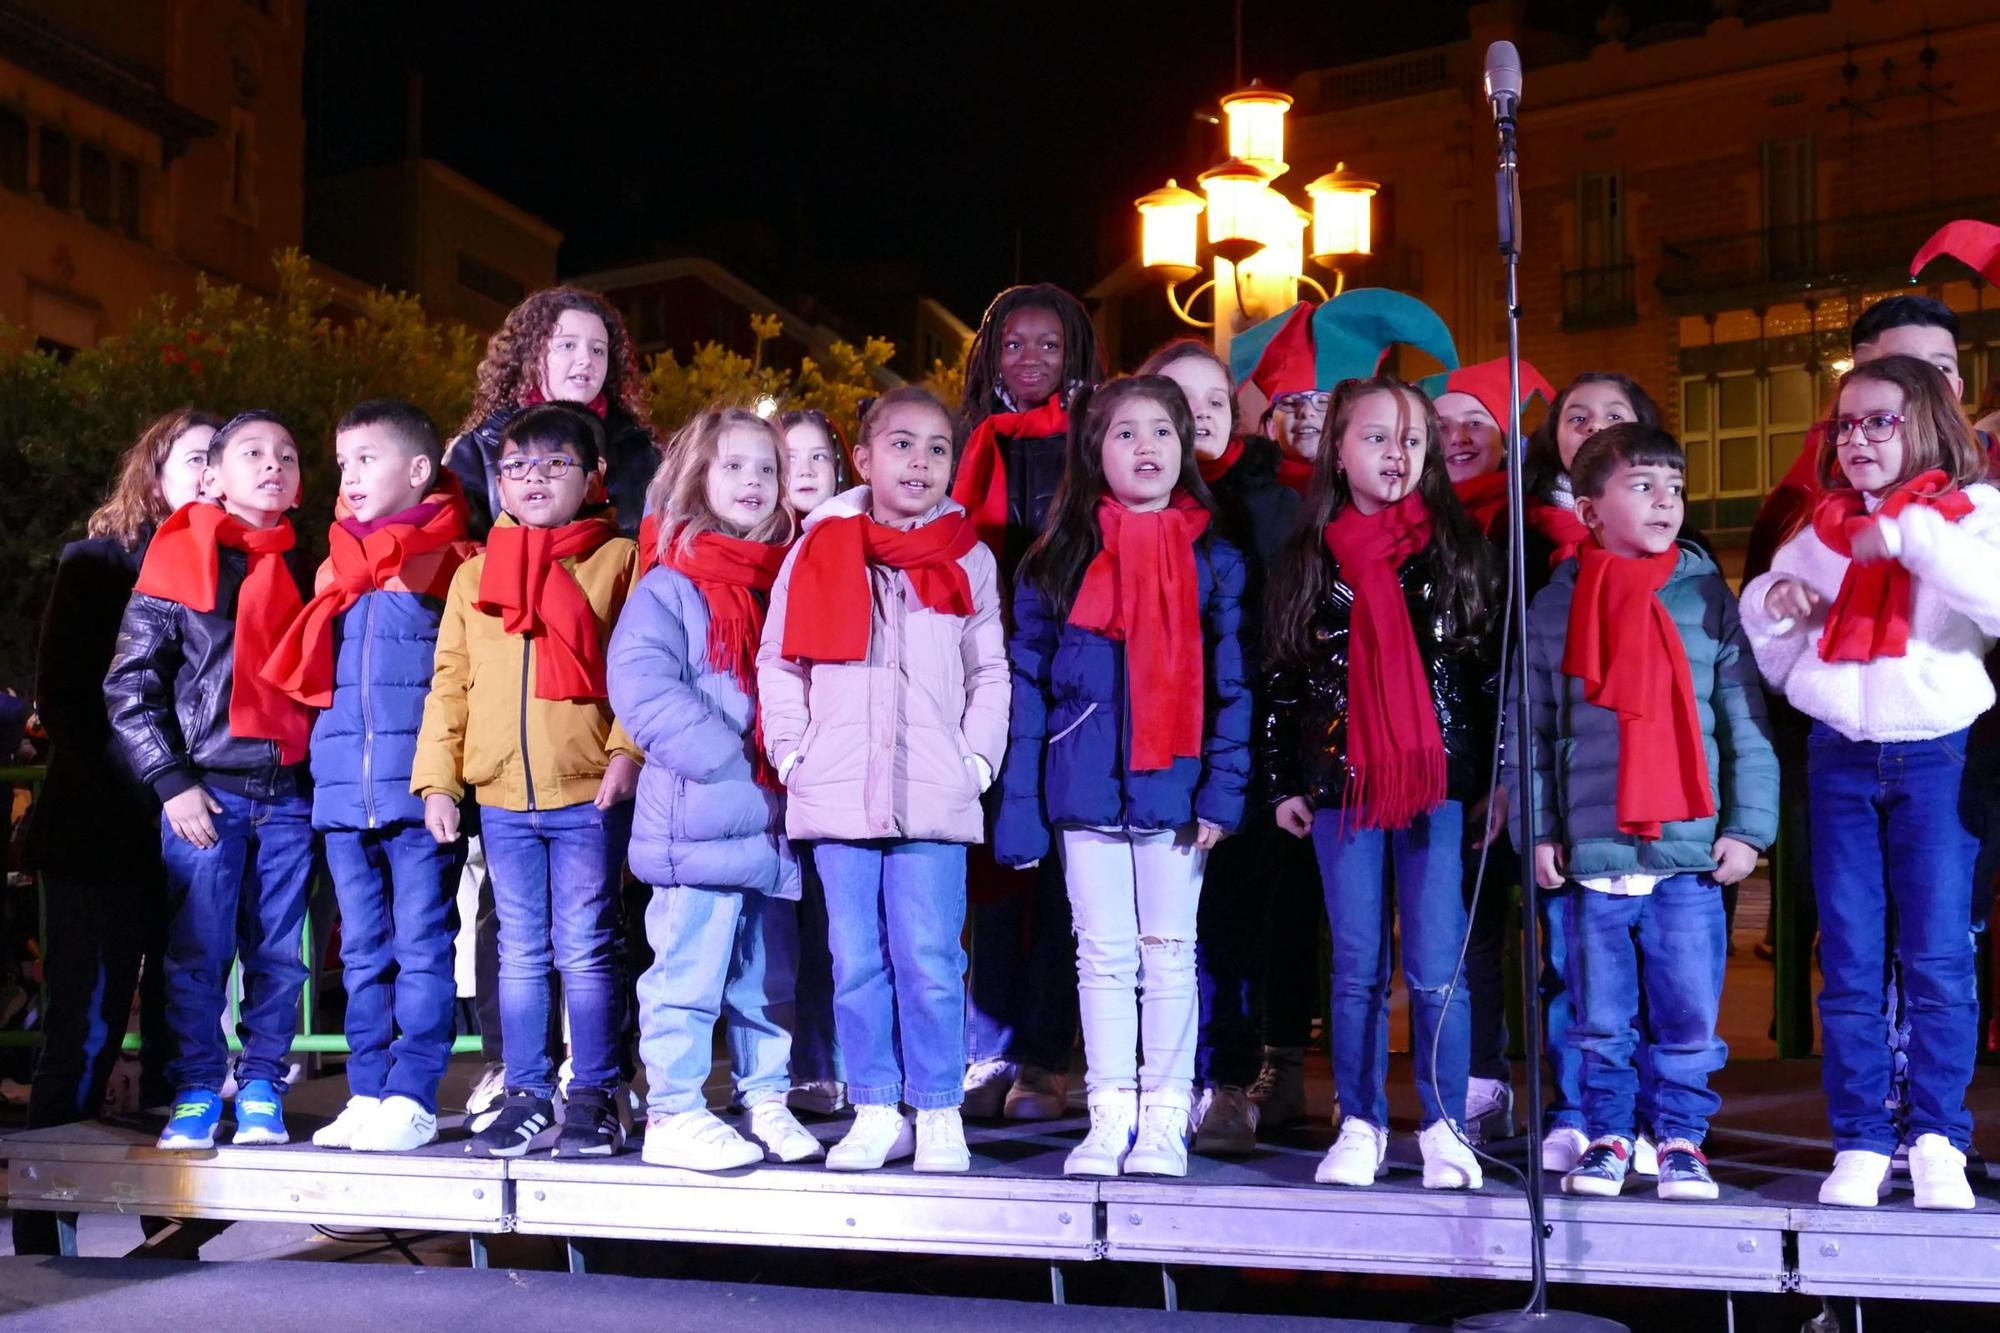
(678, 492)
(135, 502)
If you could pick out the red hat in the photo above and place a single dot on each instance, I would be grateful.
(1974, 244)
(1487, 381)
(1287, 363)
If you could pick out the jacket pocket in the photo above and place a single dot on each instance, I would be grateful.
(1081, 718)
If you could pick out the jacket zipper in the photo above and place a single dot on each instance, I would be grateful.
(367, 715)
(527, 768)
(1124, 733)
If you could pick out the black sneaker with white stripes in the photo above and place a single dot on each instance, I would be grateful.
(522, 1118)
(591, 1127)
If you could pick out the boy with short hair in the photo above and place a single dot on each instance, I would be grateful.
(226, 753)
(1655, 782)
(362, 651)
(518, 709)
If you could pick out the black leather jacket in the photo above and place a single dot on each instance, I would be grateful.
(1302, 719)
(168, 693)
(631, 456)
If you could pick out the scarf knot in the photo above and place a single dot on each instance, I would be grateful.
(1870, 617)
(828, 611)
(1560, 527)
(539, 600)
(981, 485)
(734, 577)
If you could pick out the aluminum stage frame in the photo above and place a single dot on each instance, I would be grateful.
(1766, 1233)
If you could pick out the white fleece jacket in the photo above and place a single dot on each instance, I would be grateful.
(1940, 685)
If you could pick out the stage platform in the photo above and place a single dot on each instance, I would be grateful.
(1766, 1233)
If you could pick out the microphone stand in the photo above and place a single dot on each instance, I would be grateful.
(1536, 1315)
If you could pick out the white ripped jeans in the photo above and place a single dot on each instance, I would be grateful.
(1133, 895)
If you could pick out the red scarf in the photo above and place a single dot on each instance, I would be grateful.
(1395, 750)
(1296, 473)
(540, 600)
(1215, 469)
(1484, 497)
(1871, 616)
(1626, 649)
(181, 566)
(828, 612)
(301, 662)
(1142, 589)
(1561, 527)
(734, 576)
(981, 485)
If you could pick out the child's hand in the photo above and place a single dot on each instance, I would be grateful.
(1549, 865)
(1733, 860)
(1206, 835)
(441, 817)
(188, 816)
(1295, 816)
(1496, 818)
(1789, 599)
(621, 779)
(1869, 545)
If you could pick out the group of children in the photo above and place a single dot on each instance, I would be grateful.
(1116, 654)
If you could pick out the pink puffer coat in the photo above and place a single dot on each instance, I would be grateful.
(885, 746)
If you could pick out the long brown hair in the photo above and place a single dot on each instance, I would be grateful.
(1935, 432)
(679, 490)
(515, 354)
(1544, 453)
(1305, 571)
(135, 505)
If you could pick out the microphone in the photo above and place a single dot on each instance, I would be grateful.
(1503, 80)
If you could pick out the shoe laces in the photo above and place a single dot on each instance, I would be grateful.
(1162, 1122)
(932, 1128)
(877, 1119)
(983, 1071)
(1682, 1146)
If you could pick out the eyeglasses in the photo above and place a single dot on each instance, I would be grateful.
(1876, 427)
(516, 467)
(1298, 404)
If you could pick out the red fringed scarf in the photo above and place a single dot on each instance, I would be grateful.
(1871, 616)
(538, 599)
(1215, 469)
(981, 485)
(1561, 527)
(1141, 588)
(182, 565)
(828, 613)
(1484, 497)
(1625, 648)
(301, 662)
(734, 576)
(1395, 749)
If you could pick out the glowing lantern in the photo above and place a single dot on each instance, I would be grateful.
(1237, 211)
(1340, 204)
(1168, 218)
(1256, 117)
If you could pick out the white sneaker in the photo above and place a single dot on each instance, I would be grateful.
(784, 1138)
(1563, 1147)
(696, 1141)
(1448, 1163)
(1038, 1094)
(941, 1141)
(820, 1097)
(880, 1134)
(482, 1104)
(1225, 1121)
(1489, 1110)
(1645, 1157)
(340, 1133)
(1859, 1180)
(1161, 1146)
(1356, 1156)
(1937, 1170)
(1114, 1123)
(987, 1083)
(1280, 1089)
(400, 1124)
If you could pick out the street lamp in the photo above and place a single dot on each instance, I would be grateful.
(1340, 218)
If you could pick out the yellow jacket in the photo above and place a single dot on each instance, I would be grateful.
(483, 726)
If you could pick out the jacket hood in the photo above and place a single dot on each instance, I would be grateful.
(855, 502)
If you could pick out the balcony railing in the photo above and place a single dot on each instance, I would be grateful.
(1866, 248)
(1596, 298)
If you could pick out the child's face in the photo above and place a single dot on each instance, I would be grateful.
(1875, 407)
(1298, 422)
(1586, 410)
(1141, 455)
(1031, 355)
(378, 476)
(907, 460)
(1472, 441)
(1923, 341)
(1382, 449)
(578, 359)
(186, 461)
(257, 477)
(1207, 391)
(743, 477)
(1639, 513)
(809, 467)
(543, 489)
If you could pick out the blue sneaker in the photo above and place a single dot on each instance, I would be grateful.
(260, 1115)
(197, 1112)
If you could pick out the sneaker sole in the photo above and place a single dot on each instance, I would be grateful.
(1173, 1170)
(1459, 1181)
(395, 1147)
(955, 1166)
(259, 1138)
(1691, 1191)
(811, 1154)
(185, 1145)
(1593, 1189)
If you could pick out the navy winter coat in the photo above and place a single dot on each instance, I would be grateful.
(1070, 731)
(364, 742)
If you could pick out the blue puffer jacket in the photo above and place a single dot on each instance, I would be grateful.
(701, 820)
(1070, 732)
(364, 742)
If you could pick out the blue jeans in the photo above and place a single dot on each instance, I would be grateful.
(1023, 1003)
(242, 899)
(580, 851)
(815, 1046)
(397, 889)
(1670, 946)
(716, 953)
(894, 914)
(1888, 837)
(1353, 863)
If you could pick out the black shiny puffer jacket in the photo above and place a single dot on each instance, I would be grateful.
(1302, 709)
(1034, 468)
